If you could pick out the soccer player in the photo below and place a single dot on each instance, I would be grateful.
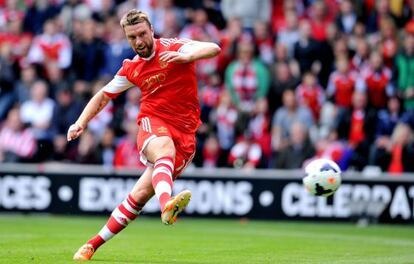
(164, 70)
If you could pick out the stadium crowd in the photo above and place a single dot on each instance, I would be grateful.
(296, 79)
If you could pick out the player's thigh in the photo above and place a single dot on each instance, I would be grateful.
(153, 140)
(160, 147)
(143, 190)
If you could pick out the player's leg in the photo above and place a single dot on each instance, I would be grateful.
(127, 211)
(161, 152)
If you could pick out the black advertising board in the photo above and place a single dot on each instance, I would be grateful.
(278, 198)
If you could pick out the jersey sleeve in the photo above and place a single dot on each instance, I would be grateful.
(118, 84)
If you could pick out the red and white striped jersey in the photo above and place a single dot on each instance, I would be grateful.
(22, 143)
(168, 90)
(341, 86)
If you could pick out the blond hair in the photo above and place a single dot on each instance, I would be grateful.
(133, 17)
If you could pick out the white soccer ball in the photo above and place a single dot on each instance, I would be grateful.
(323, 177)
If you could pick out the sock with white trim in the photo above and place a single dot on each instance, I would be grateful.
(162, 179)
(127, 211)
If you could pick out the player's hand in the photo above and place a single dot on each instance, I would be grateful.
(174, 56)
(74, 131)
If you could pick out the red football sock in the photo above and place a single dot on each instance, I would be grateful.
(127, 211)
(162, 179)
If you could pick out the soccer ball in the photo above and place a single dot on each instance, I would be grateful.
(323, 177)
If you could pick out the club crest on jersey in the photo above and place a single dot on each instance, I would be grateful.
(163, 64)
(135, 74)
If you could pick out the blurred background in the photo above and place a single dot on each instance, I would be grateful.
(296, 80)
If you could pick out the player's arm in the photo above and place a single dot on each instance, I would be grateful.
(97, 103)
(191, 51)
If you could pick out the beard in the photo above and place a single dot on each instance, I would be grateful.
(146, 51)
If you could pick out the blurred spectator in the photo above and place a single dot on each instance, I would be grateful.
(377, 78)
(62, 150)
(388, 41)
(248, 11)
(106, 148)
(283, 79)
(224, 117)
(201, 29)
(127, 153)
(360, 60)
(17, 143)
(281, 10)
(38, 111)
(395, 155)
(306, 49)
(14, 36)
(71, 13)
(102, 9)
(319, 20)
(132, 104)
(166, 18)
(230, 36)
(285, 116)
(387, 120)
(404, 71)
(88, 53)
(247, 79)
(289, 35)
(211, 152)
(50, 47)
(298, 149)
(28, 76)
(245, 154)
(347, 18)
(263, 41)
(342, 83)
(340, 47)
(281, 56)
(327, 121)
(85, 152)
(209, 96)
(37, 14)
(9, 11)
(65, 112)
(309, 93)
(357, 127)
(56, 79)
(259, 127)
(382, 9)
(358, 33)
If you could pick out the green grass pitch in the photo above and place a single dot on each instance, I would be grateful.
(51, 239)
